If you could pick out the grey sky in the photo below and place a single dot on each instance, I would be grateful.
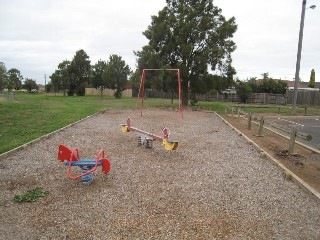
(36, 35)
(267, 37)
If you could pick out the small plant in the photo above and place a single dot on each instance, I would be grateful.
(31, 195)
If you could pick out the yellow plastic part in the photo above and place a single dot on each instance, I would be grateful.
(125, 128)
(169, 145)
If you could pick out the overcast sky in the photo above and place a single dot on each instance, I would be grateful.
(36, 35)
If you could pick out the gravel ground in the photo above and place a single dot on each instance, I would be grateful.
(214, 186)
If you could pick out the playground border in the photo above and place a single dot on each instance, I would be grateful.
(287, 173)
(23, 146)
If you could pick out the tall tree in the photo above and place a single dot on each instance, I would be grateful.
(3, 76)
(60, 79)
(64, 75)
(14, 79)
(116, 74)
(192, 36)
(55, 81)
(243, 90)
(267, 85)
(30, 84)
(80, 73)
(98, 71)
(265, 76)
(312, 82)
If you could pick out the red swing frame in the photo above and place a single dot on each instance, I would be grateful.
(141, 88)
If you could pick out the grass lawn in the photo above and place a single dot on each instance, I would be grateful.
(29, 116)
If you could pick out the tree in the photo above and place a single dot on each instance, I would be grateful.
(265, 76)
(135, 78)
(253, 83)
(116, 74)
(243, 90)
(267, 85)
(64, 75)
(191, 35)
(281, 87)
(14, 79)
(3, 76)
(60, 79)
(98, 71)
(30, 84)
(312, 82)
(79, 73)
(55, 81)
(49, 87)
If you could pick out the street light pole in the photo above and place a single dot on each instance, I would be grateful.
(296, 78)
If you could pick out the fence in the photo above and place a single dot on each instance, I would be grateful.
(261, 98)
(311, 98)
(218, 97)
(107, 92)
(267, 98)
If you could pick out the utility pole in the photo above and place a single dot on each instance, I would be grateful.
(296, 78)
(45, 82)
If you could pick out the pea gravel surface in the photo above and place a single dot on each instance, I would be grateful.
(213, 186)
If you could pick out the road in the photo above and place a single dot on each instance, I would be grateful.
(306, 124)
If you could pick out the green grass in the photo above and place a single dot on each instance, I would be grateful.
(214, 106)
(29, 116)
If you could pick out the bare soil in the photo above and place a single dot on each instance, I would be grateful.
(303, 162)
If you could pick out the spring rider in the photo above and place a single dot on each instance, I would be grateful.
(87, 166)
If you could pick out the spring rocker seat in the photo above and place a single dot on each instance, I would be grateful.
(88, 166)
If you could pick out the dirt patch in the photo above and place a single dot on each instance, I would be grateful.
(303, 162)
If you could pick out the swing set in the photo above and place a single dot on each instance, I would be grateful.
(141, 93)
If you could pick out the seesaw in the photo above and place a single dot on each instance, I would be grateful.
(146, 138)
(87, 166)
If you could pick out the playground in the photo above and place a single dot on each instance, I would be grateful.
(214, 185)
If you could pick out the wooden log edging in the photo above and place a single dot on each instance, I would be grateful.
(12, 151)
(287, 173)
